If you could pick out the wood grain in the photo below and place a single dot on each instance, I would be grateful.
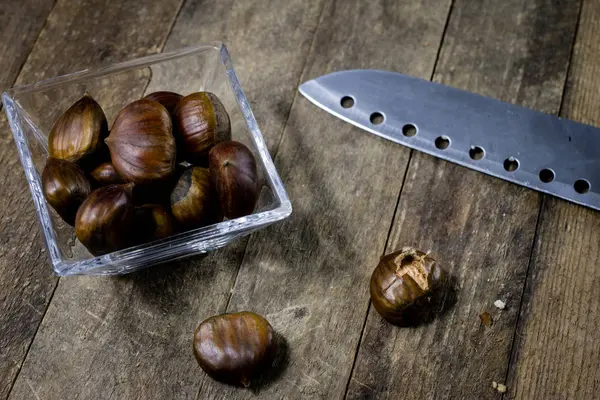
(480, 227)
(131, 337)
(557, 348)
(74, 37)
(21, 299)
(309, 274)
(20, 25)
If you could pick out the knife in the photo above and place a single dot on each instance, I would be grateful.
(543, 152)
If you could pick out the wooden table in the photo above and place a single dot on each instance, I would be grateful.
(355, 197)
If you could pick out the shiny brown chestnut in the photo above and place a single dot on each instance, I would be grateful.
(152, 222)
(104, 221)
(65, 187)
(403, 285)
(168, 100)
(235, 348)
(106, 174)
(201, 121)
(158, 192)
(141, 143)
(79, 132)
(193, 200)
(234, 176)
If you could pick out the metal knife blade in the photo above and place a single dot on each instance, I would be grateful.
(540, 151)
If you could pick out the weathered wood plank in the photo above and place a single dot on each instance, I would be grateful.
(557, 348)
(481, 228)
(20, 24)
(131, 337)
(309, 275)
(75, 36)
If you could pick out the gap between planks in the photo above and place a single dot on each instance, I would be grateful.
(276, 150)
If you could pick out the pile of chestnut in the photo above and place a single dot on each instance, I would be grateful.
(167, 165)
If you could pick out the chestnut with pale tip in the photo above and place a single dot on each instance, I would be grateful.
(403, 283)
(104, 220)
(65, 187)
(201, 121)
(141, 143)
(79, 132)
(235, 348)
(235, 178)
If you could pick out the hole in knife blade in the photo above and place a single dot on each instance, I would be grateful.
(442, 142)
(409, 130)
(582, 186)
(476, 153)
(377, 118)
(511, 164)
(547, 175)
(347, 102)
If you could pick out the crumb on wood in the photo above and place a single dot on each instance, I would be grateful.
(499, 387)
(486, 319)
(500, 304)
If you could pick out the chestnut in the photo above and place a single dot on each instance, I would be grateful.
(106, 174)
(141, 143)
(168, 100)
(234, 175)
(104, 220)
(65, 187)
(79, 132)
(158, 192)
(234, 348)
(403, 285)
(201, 121)
(193, 200)
(152, 222)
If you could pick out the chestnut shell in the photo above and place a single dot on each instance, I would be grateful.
(65, 187)
(106, 174)
(152, 222)
(79, 132)
(403, 284)
(194, 200)
(234, 176)
(234, 348)
(168, 100)
(141, 143)
(104, 221)
(201, 121)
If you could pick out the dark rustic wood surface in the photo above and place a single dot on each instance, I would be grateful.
(557, 350)
(482, 228)
(355, 197)
(24, 293)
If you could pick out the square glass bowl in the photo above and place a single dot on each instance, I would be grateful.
(33, 109)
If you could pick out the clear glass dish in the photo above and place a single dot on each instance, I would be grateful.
(32, 110)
